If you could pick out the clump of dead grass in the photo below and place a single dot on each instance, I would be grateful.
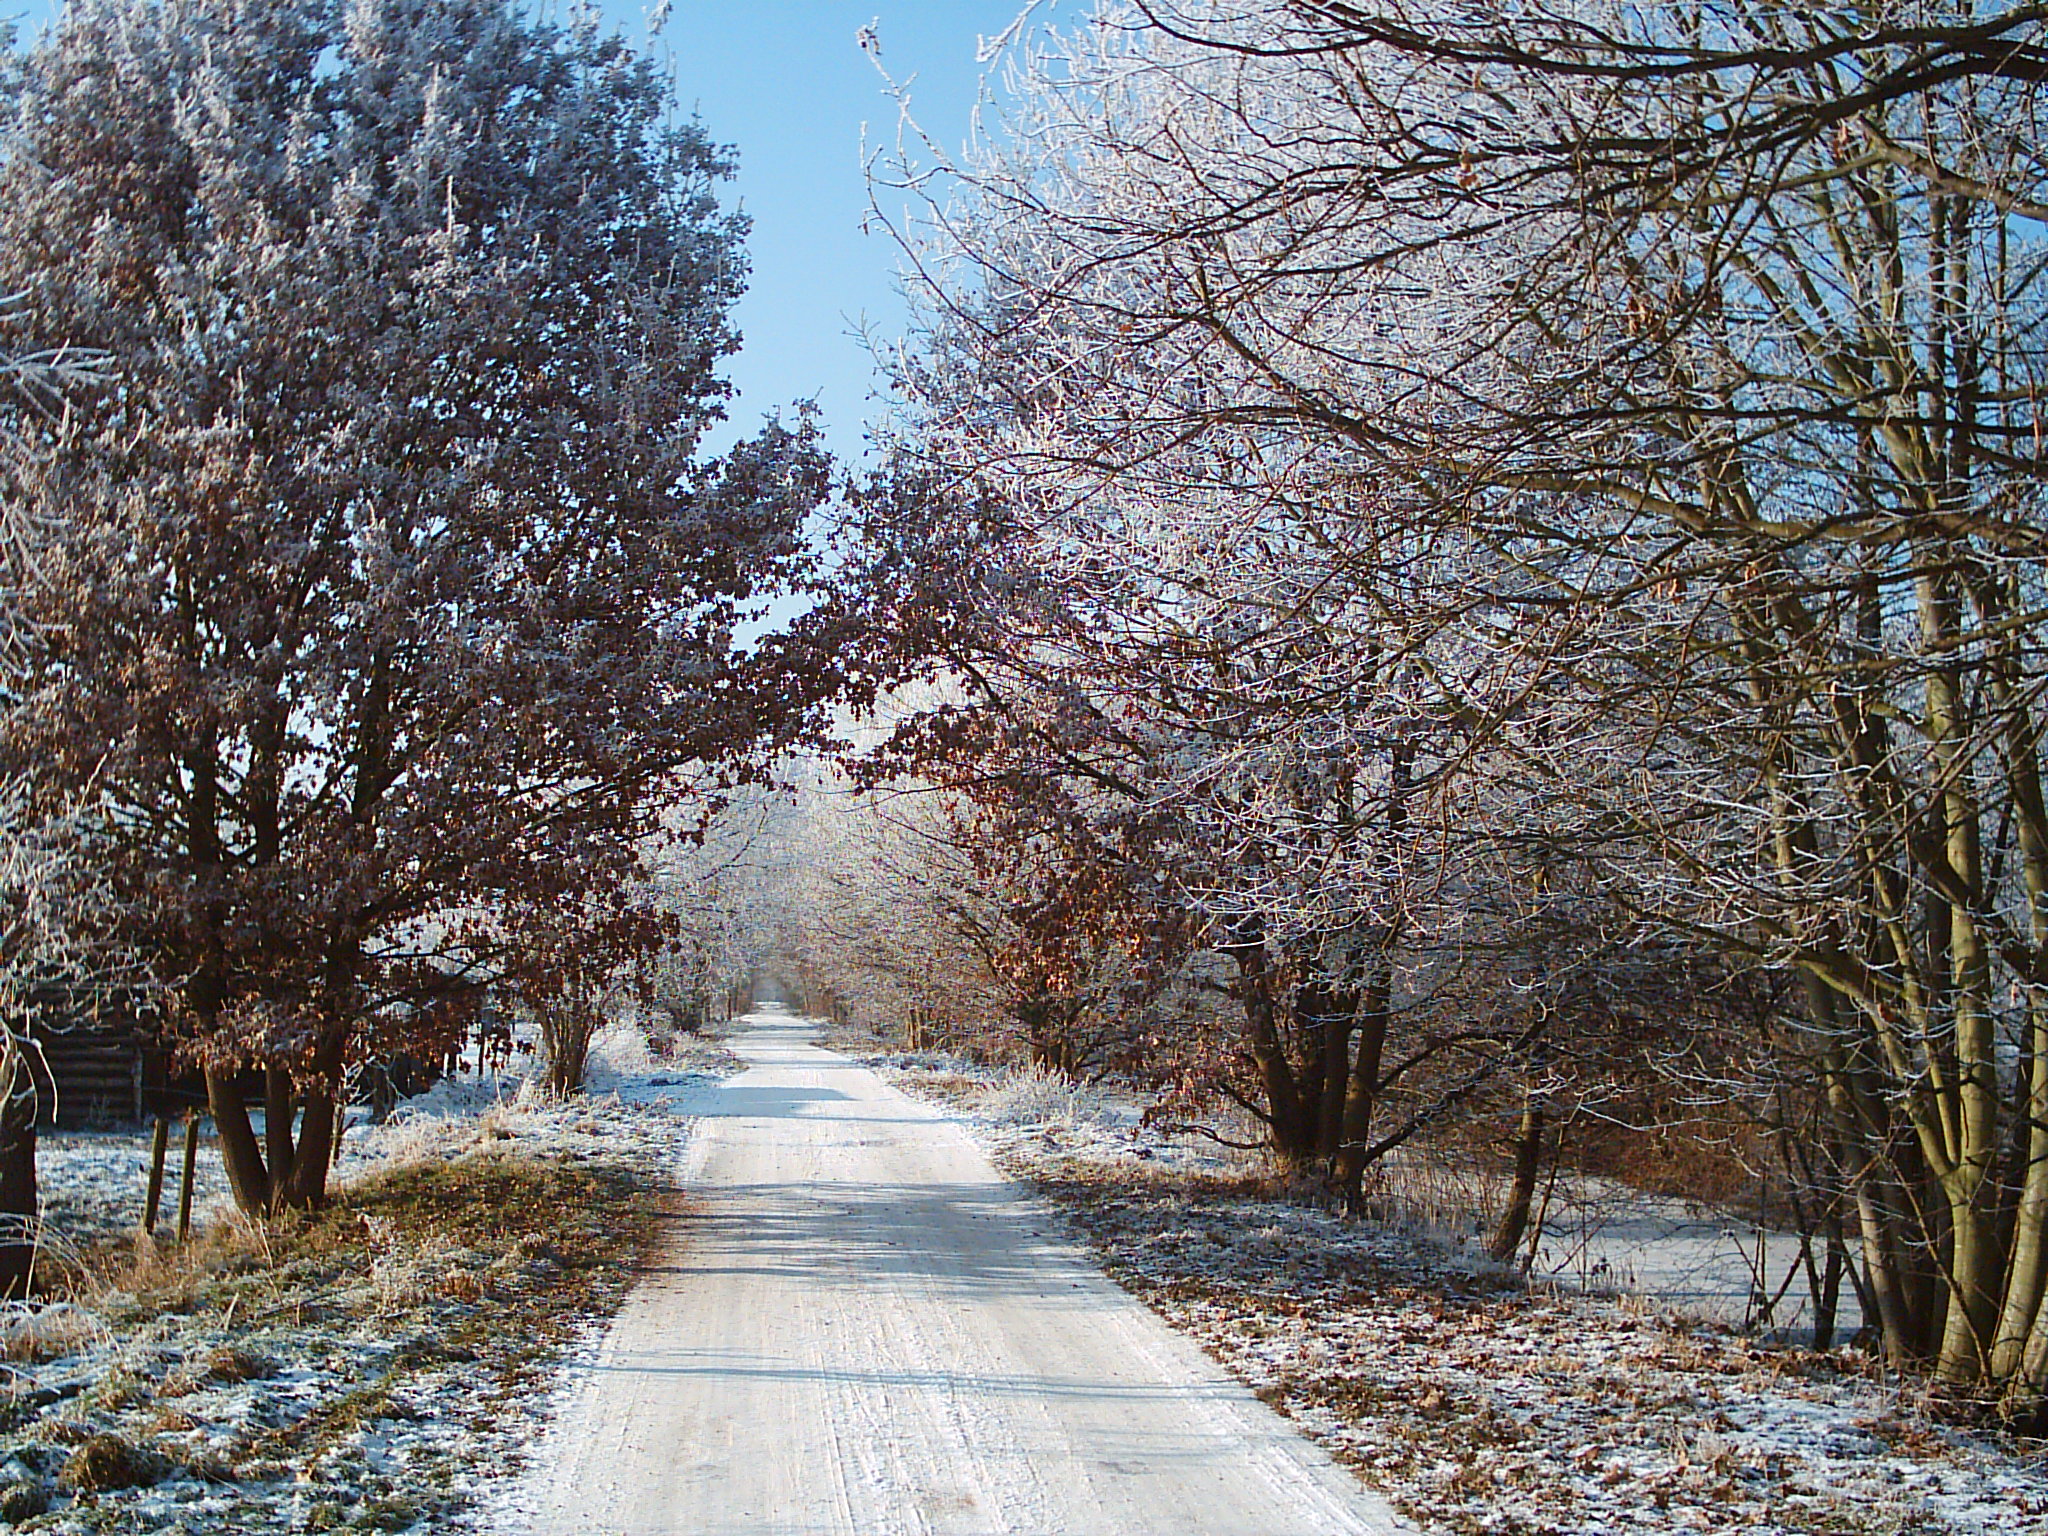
(237, 1363)
(22, 1500)
(104, 1462)
(425, 1219)
(32, 1332)
(1041, 1096)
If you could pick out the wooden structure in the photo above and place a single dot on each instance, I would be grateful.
(108, 1073)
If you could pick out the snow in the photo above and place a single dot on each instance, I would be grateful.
(1477, 1405)
(95, 1183)
(864, 1330)
(307, 1402)
(1603, 1237)
(1615, 1400)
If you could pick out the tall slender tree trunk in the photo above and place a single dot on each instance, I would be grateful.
(1859, 1113)
(20, 1209)
(2026, 1281)
(1827, 1296)
(1960, 1122)
(2019, 1354)
(1362, 1100)
(280, 1151)
(1375, 1005)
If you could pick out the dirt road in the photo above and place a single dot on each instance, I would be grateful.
(867, 1331)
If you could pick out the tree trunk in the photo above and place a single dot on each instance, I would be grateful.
(1827, 1297)
(280, 1156)
(240, 1153)
(1375, 1007)
(306, 1189)
(263, 1186)
(20, 1216)
(1045, 1041)
(1290, 1123)
(565, 1035)
(1884, 1212)
(1361, 1098)
(2026, 1282)
(2027, 1274)
(1958, 1122)
(1514, 1219)
(1336, 1020)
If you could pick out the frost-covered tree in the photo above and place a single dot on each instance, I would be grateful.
(390, 583)
(1631, 411)
(1181, 613)
(929, 913)
(721, 892)
(50, 961)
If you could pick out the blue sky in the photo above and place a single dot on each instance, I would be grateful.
(787, 84)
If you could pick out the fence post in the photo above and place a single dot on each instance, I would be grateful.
(191, 1168)
(159, 1144)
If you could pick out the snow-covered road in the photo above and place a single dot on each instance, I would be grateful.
(865, 1330)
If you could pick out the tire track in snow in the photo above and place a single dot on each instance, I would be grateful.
(867, 1332)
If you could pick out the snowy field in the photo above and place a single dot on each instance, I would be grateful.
(1476, 1405)
(1672, 1255)
(374, 1383)
(95, 1183)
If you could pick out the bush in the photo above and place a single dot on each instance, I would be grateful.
(22, 1500)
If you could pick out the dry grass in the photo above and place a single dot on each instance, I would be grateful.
(856, 1039)
(1042, 1096)
(106, 1462)
(1424, 1194)
(31, 1334)
(1480, 1408)
(460, 1279)
(626, 1051)
(480, 1206)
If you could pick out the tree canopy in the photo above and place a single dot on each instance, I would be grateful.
(387, 583)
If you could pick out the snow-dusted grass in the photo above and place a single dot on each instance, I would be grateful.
(94, 1184)
(366, 1369)
(1039, 1097)
(1478, 1405)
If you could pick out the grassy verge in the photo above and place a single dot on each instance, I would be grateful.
(358, 1369)
(1481, 1408)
